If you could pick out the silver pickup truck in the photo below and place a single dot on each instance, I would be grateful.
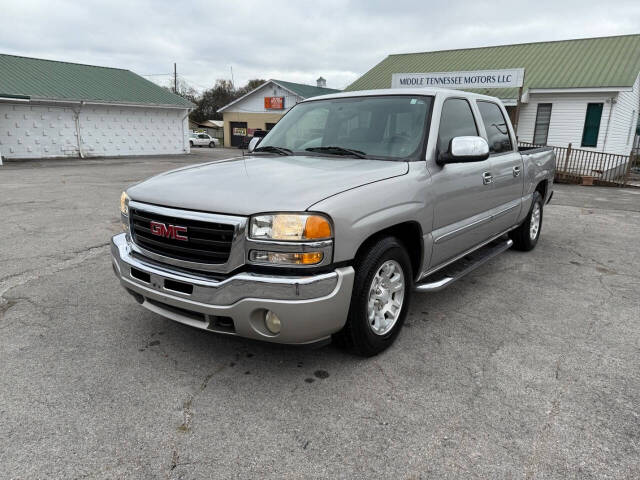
(350, 204)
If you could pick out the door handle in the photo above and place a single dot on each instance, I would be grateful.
(487, 178)
(516, 171)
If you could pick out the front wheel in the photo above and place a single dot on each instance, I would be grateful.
(211, 144)
(380, 299)
(526, 236)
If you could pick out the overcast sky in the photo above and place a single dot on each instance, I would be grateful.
(296, 41)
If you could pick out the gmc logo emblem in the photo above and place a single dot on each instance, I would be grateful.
(168, 231)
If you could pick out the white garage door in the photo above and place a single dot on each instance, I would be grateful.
(37, 131)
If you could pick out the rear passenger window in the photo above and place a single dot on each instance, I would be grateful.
(456, 121)
(496, 127)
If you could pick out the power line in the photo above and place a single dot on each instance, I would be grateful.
(194, 83)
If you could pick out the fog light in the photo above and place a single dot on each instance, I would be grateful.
(272, 322)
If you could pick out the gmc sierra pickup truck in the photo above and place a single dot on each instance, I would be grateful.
(351, 203)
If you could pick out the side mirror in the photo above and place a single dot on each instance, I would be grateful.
(253, 143)
(465, 149)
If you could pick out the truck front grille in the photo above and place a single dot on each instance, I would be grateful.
(206, 242)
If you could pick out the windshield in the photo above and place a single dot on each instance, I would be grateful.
(386, 126)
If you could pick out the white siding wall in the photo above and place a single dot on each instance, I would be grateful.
(254, 103)
(568, 114)
(624, 118)
(567, 118)
(37, 131)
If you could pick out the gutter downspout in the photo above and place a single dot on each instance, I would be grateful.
(184, 143)
(612, 102)
(76, 117)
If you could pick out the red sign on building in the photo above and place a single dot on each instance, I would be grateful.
(274, 103)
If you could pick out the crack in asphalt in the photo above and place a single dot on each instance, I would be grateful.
(609, 208)
(15, 280)
(188, 414)
(187, 405)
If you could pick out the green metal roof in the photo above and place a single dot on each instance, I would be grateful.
(305, 91)
(23, 77)
(582, 63)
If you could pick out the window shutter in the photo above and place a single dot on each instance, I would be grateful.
(592, 125)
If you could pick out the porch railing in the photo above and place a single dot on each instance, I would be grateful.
(574, 165)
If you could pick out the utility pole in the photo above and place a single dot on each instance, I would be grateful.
(175, 78)
(232, 84)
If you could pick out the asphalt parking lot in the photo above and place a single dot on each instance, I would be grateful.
(528, 368)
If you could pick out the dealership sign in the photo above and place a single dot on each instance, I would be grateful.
(274, 103)
(473, 79)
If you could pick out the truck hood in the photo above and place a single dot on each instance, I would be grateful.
(254, 184)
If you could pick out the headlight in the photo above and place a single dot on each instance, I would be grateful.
(124, 204)
(290, 226)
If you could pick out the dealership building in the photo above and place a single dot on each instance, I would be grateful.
(59, 109)
(261, 108)
(581, 92)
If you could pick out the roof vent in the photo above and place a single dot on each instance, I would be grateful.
(321, 83)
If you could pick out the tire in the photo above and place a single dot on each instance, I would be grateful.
(359, 333)
(211, 144)
(190, 143)
(523, 237)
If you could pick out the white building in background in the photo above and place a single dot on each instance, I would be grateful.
(60, 109)
(599, 119)
(583, 92)
(261, 108)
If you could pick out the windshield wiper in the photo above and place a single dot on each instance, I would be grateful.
(333, 150)
(274, 149)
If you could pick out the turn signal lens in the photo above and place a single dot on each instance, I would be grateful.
(285, 258)
(124, 204)
(311, 258)
(317, 227)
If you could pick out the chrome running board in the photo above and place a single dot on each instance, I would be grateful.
(449, 274)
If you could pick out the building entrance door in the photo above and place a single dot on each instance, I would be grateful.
(238, 132)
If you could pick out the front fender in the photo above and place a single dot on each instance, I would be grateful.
(364, 211)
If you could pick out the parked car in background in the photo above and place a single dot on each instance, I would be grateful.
(203, 140)
(351, 203)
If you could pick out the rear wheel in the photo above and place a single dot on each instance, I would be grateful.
(526, 236)
(190, 143)
(380, 298)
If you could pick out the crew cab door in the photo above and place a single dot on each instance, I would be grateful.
(462, 194)
(506, 167)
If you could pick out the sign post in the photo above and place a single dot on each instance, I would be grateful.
(517, 115)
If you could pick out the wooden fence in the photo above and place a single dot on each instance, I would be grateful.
(574, 165)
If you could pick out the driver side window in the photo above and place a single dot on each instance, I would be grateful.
(456, 121)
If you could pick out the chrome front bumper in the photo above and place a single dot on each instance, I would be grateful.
(310, 308)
